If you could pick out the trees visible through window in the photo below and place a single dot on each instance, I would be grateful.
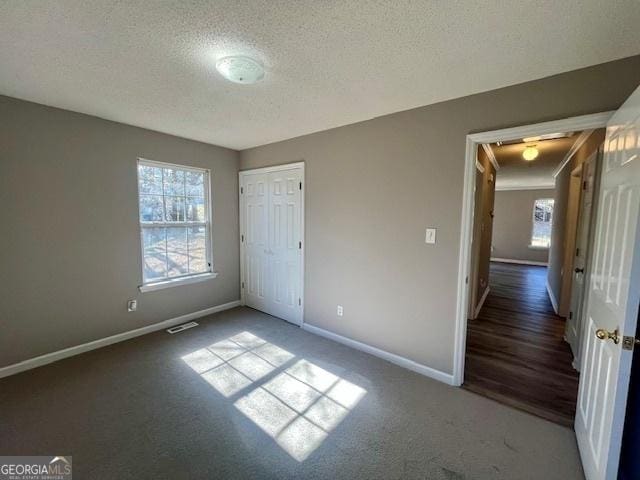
(542, 221)
(174, 221)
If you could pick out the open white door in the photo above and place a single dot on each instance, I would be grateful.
(614, 293)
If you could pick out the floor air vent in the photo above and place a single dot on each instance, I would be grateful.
(179, 328)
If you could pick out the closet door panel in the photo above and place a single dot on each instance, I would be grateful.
(285, 237)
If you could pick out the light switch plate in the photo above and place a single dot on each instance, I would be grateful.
(430, 236)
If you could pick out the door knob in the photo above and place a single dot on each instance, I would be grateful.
(579, 270)
(603, 334)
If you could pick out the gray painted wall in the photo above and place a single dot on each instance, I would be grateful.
(373, 187)
(70, 244)
(512, 225)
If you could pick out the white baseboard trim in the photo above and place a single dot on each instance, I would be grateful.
(390, 357)
(481, 302)
(552, 297)
(103, 342)
(521, 262)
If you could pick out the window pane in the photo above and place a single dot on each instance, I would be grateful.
(197, 238)
(541, 234)
(151, 209)
(542, 221)
(155, 259)
(197, 250)
(169, 195)
(174, 209)
(198, 261)
(177, 251)
(173, 181)
(150, 179)
(195, 184)
(195, 209)
(538, 214)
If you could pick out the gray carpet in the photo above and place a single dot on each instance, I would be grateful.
(267, 400)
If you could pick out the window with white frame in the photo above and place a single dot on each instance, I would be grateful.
(175, 225)
(542, 221)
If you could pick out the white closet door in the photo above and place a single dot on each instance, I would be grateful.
(255, 207)
(272, 233)
(285, 245)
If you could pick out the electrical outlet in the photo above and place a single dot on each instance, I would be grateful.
(340, 311)
(132, 305)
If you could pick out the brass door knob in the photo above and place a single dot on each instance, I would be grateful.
(602, 334)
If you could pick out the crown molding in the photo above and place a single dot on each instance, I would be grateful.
(572, 151)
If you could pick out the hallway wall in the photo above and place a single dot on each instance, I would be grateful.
(513, 223)
(482, 230)
(560, 260)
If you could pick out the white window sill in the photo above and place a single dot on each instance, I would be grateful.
(536, 247)
(150, 287)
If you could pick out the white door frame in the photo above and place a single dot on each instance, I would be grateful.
(572, 124)
(275, 168)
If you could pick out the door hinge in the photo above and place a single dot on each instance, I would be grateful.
(466, 280)
(300, 185)
(629, 342)
(570, 315)
(299, 301)
(300, 245)
(577, 252)
(241, 190)
(242, 238)
(584, 185)
(242, 284)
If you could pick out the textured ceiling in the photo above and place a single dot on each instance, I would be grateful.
(329, 63)
(516, 172)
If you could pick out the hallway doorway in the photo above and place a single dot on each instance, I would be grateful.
(524, 311)
(516, 353)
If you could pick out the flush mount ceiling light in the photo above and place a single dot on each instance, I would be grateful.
(239, 69)
(530, 153)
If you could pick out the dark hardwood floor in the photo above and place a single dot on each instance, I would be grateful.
(516, 353)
